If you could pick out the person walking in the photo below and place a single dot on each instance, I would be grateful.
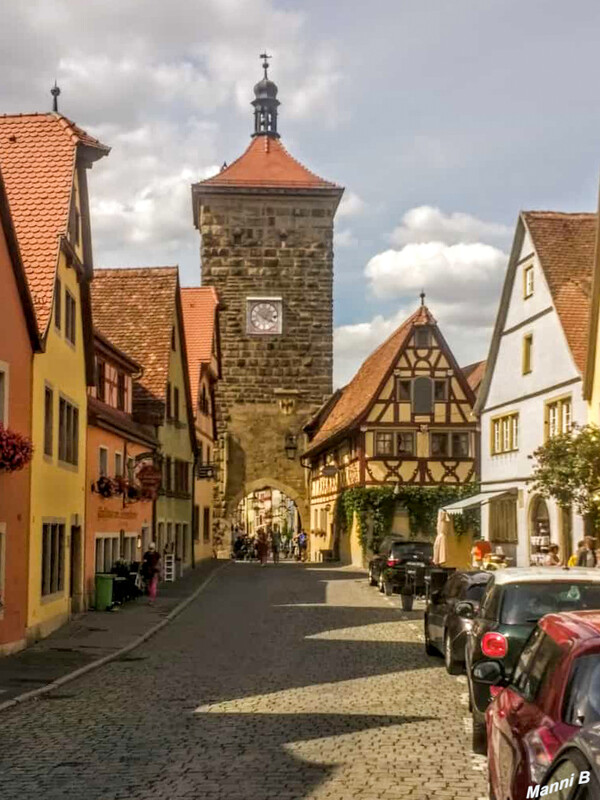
(552, 558)
(262, 546)
(586, 557)
(302, 546)
(275, 545)
(151, 571)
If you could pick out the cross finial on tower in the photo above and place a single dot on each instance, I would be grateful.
(55, 91)
(265, 64)
(422, 296)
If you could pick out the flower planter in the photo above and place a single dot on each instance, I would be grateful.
(407, 602)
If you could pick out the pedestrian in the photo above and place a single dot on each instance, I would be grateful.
(151, 571)
(302, 546)
(586, 557)
(552, 558)
(572, 562)
(262, 546)
(275, 545)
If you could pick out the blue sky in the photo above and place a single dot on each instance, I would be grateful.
(441, 119)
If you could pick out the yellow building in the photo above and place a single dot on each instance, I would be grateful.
(200, 309)
(405, 419)
(140, 311)
(44, 159)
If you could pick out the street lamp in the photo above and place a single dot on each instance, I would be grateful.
(291, 446)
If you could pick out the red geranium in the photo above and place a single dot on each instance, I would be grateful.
(15, 450)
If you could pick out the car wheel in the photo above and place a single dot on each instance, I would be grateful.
(372, 581)
(429, 648)
(479, 735)
(453, 667)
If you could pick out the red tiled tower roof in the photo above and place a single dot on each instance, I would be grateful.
(37, 156)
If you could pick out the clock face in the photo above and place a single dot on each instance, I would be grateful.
(265, 317)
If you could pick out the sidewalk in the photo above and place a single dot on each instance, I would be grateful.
(94, 635)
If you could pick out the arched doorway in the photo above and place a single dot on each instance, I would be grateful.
(539, 531)
(267, 509)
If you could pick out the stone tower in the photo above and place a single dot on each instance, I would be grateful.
(266, 226)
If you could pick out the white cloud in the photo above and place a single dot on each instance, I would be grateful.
(429, 224)
(350, 206)
(344, 238)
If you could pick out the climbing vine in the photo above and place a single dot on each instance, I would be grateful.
(375, 508)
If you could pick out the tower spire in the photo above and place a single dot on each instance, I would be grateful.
(265, 103)
(55, 91)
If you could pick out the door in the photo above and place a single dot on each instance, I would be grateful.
(76, 569)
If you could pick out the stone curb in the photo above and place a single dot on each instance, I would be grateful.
(71, 676)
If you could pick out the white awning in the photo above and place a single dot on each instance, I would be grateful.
(475, 500)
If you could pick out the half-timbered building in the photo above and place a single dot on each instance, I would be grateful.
(404, 419)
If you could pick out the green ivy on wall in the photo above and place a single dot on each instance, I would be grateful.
(375, 507)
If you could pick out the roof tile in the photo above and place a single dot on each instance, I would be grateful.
(199, 317)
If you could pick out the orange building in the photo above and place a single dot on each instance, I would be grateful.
(200, 308)
(18, 340)
(118, 515)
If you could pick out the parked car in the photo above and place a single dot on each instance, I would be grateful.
(397, 553)
(513, 602)
(555, 690)
(445, 630)
(575, 761)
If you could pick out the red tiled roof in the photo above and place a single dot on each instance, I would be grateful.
(136, 310)
(199, 316)
(37, 157)
(356, 397)
(565, 246)
(266, 163)
(474, 374)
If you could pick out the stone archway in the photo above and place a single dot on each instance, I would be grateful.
(540, 535)
(273, 483)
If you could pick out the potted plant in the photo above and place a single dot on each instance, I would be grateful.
(15, 450)
(104, 486)
(408, 597)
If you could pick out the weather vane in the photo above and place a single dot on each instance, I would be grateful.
(422, 296)
(265, 64)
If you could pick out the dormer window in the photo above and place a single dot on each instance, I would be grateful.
(528, 282)
(422, 337)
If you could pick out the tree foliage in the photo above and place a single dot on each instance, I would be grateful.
(567, 469)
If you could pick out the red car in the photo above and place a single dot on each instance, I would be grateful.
(554, 691)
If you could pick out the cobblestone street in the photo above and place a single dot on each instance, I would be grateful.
(284, 682)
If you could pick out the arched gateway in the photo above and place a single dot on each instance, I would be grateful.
(266, 225)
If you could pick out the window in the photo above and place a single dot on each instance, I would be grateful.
(48, 420)
(118, 465)
(176, 403)
(121, 391)
(101, 379)
(384, 444)
(204, 405)
(505, 434)
(200, 453)
(184, 542)
(181, 476)
(582, 699)
(130, 468)
(177, 540)
(168, 473)
(168, 401)
(68, 432)
(196, 523)
(527, 354)
(528, 282)
(160, 537)
(405, 443)
(3, 397)
(70, 316)
(53, 558)
(206, 524)
(403, 390)
(503, 520)
(540, 667)
(57, 303)
(107, 552)
(450, 444)
(129, 548)
(102, 462)
(422, 395)
(422, 337)
(558, 416)
(440, 391)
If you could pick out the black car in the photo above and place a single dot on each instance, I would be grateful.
(445, 630)
(397, 553)
(575, 770)
(513, 602)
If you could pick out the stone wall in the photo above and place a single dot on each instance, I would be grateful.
(269, 246)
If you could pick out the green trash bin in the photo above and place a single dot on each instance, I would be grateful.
(104, 590)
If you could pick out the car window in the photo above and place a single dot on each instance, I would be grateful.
(540, 668)
(526, 657)
(409, 548)
(451, 587)
(562, 773)
(528, 602)
(474, 592)
(491, 602)
(582, 698)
